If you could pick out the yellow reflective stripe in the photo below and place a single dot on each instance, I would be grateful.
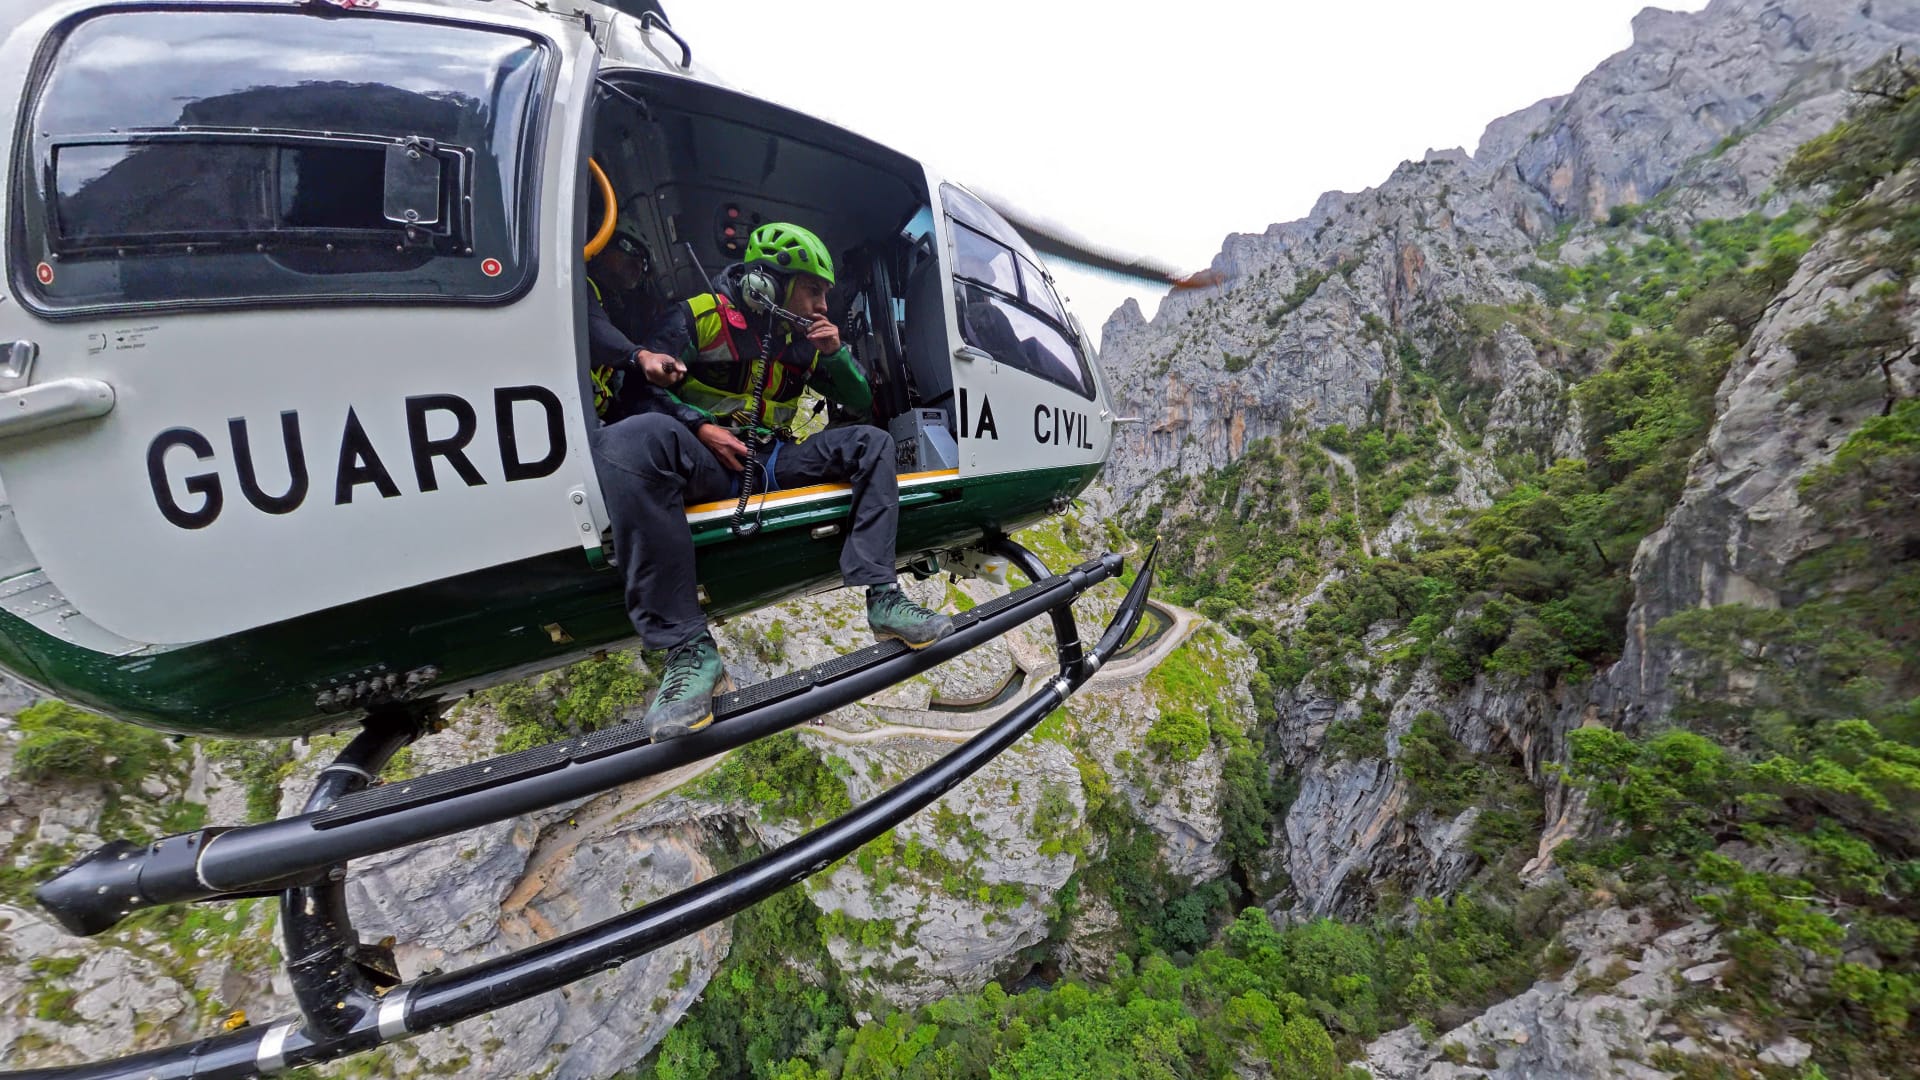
(716, 401)
(709, 329)
(722, 403)
(602, 378)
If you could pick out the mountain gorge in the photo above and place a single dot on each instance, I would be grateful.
(1540, 695)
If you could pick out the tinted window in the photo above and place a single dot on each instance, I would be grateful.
(1038, 294)
(196, 156)
(1017, 337)
(199, 191)
(1006, 306)
(977, 258)
(963, 207)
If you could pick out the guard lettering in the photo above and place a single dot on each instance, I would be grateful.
(453, 447)
(504, 399)
(360, 464)
(358, 461)
(206, 484)
(296, 492)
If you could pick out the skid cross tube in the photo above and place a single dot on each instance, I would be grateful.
(1066, 634)
(119, 878)
(336, 977)
(439, 1000)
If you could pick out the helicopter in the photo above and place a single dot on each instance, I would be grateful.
(293, 429)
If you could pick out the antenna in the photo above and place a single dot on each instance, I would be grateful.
(705, 281)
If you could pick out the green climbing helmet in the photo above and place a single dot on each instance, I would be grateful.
(789, 249)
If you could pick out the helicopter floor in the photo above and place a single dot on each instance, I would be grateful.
(350, 994)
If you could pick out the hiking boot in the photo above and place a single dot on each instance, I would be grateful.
(892, 615)
(685, 701)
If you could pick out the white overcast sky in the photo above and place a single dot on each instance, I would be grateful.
(1159, 128)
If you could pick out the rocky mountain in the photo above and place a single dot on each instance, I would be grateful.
(1539, 692)
(1317, 317)
(1698, 115)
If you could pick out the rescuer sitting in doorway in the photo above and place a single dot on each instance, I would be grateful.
(617, 313)
(727, 422)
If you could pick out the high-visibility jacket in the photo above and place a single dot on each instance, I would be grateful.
(720, 345)
(609, 353)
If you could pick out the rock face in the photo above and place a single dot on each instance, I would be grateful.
(1606, 1016)
(1696, 119)
(1743, 521)
(449, 904)
(504, 887)
(1313, 317)
(944, 936)
(1000, 847)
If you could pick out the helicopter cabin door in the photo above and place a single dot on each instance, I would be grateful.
(295, 305)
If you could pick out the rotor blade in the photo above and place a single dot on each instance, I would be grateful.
(1056, 241)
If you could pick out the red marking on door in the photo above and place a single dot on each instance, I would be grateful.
(45, 273)
(490, 267)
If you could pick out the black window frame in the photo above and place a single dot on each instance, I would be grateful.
(31, 179)
(453, 232)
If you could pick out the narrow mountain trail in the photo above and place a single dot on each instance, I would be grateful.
(557, 843)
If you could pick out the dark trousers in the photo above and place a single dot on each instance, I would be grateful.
(651, 467)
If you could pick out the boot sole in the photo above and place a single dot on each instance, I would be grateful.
(915, 646)
(674, 731)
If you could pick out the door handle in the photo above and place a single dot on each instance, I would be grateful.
(16, 364)
(50, 404)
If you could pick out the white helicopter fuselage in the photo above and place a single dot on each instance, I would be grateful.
(257, 401)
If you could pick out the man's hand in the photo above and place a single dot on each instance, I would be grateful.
(824, 336)
(659, 368)
(731, 451)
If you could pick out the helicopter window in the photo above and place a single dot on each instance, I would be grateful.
(1035, 289)
(186, 157)
(1017, 337)
(1006, 305)
(219, 189)
(963, 207)
(979, 259)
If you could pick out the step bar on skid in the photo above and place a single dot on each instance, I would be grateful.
(350, 996)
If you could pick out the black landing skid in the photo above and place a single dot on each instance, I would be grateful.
(350, 995)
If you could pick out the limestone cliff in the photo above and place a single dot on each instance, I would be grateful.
(1698, 114)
